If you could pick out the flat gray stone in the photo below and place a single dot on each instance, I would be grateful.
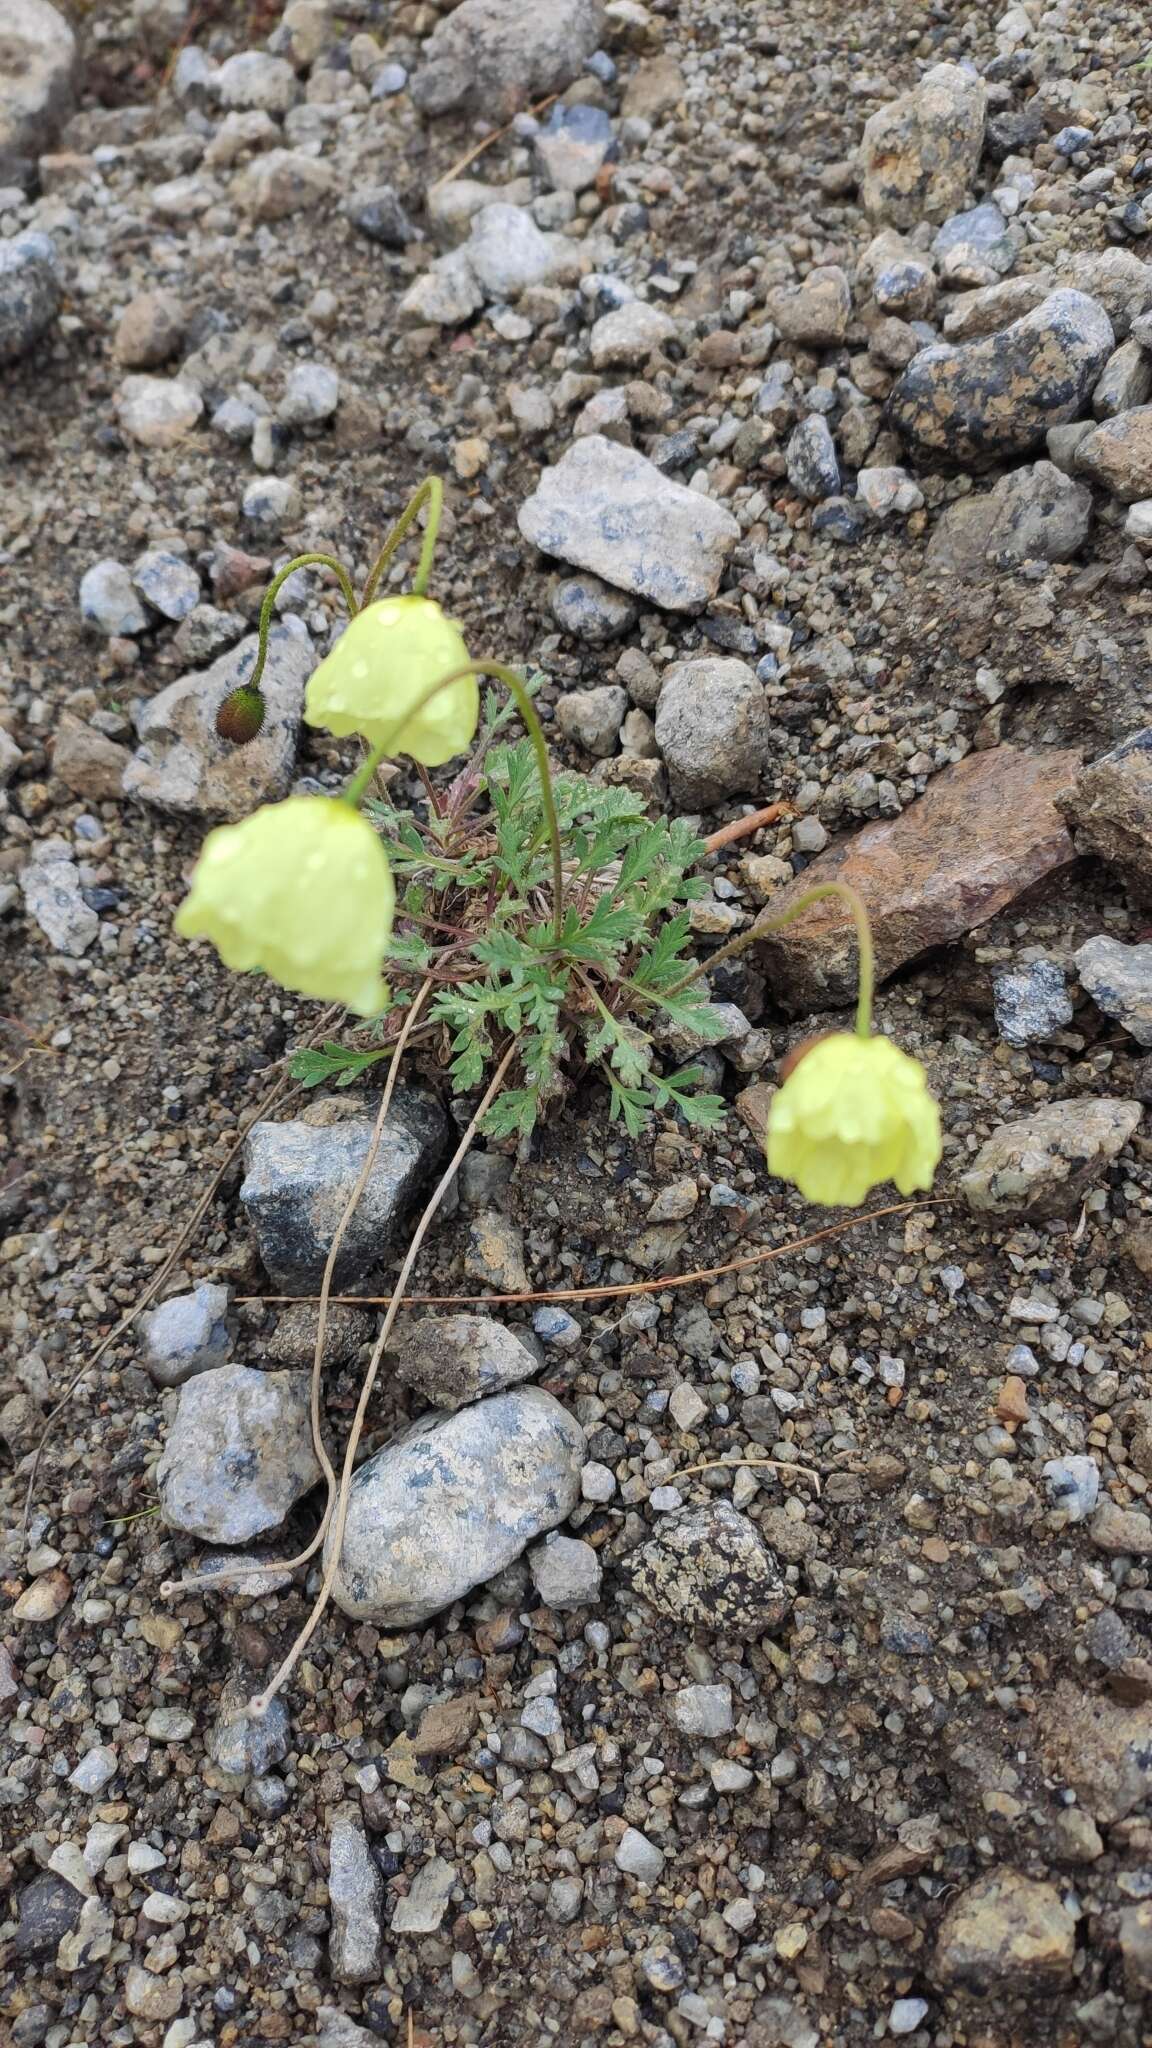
(53, 898)
(1119, 980)
(608, 509)
(451, 1502)
(422, 1910)
(356, 1898)
(181, 763)
(298, 1177)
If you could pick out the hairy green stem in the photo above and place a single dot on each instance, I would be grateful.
(816, 894)
(354, 792)
(430, 493)
(270, 596)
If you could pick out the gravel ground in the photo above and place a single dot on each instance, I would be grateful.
(762, 1757)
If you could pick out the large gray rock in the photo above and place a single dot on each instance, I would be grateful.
(609, 509)
(921, 152)
(710, 1568)
(183, 765)
(239, 1454)
(493, 56)
(1043, 1164)
(187, 1334)
(714, 729)
(37, 82)
(1119, 980)
(452, 1360)
(29, 289)
(999, 396)
(453, 1501)
(298, 1177)
(1033, 514)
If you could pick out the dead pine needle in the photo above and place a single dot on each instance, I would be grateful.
(749, 1465)
(623, 1289)
(485, 142)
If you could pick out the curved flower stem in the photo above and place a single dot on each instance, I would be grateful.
(195, 1580)
(354, 792)
(859, 914)
(259, 1706)
(430, 493)
(270, 596)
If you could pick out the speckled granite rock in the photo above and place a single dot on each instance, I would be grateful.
(609, 509)
(239, 1454)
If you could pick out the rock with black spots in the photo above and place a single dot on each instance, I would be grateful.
(989, 399)
(29, 286)
(710, 1568)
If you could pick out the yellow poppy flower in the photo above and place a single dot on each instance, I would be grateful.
(382, 667)
(302, 891)
(854, 1112)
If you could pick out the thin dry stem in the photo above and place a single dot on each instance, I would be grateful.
(193, 1581)
(743, 828)
(259, 1705)
(759, 1258)
(751, 1465)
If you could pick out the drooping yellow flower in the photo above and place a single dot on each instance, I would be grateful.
(382, 667)
(854, 1112)
(302, 891)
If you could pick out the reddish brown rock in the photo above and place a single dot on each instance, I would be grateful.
(983, 831)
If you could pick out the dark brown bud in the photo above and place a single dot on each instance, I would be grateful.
(792, 1059)
(241, 715)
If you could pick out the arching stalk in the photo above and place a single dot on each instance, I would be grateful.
(867, 962)
(258, 1706)
(430, 493)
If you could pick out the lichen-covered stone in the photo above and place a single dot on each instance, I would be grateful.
(996, 397)
(1006, 1933)
(710, 1568)
(1042, 1165)
(921, 152)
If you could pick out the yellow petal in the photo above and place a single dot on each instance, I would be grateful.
(382, 667)
(301, 891)
(854, 1112)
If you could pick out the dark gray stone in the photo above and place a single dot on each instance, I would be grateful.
(811, 458)
(378, 212)
(298, 1177)
(29, 291)
(1119, 980)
